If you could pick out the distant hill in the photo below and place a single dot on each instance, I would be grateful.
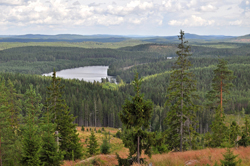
(242, 39)
(112, 38)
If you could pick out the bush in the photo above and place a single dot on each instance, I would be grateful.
(103, 129)
(118, 134)
(82, 129)
(92, 145)
(129, 161)
(230, 159)
(105, 147)
(99, 131)
(87, 129)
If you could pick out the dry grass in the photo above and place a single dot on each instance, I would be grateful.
(197, 157)
(116, 144)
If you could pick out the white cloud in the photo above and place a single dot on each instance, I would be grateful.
(11, 2)
(237, 22)
(193, 21)
(208, 8)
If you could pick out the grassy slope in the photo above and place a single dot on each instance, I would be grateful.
(198, 157)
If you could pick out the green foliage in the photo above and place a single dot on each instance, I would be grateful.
(57, 107)
(5, 126)
(32, 142)
(11, 145)
(221, 83)
(234, 131)
(68, 136)
(92, 147)
(51, 155)
(105, 146)
(219, 130)
(180, 98)
(245, 137)
(160, 145)
(230, 159)
(135, 115)
(118, 134)
(128, 161)
(82, 129)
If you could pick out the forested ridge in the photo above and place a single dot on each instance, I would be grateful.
(39, 60)
(93, 105)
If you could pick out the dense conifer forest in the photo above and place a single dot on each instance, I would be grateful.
(31, 103)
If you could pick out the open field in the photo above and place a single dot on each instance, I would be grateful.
(192, 158)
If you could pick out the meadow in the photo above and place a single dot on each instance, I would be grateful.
(192, 158)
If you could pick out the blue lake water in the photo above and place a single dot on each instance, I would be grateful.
(87, 73)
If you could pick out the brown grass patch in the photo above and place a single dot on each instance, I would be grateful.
(195, 157)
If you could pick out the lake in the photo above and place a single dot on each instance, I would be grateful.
(87, 73)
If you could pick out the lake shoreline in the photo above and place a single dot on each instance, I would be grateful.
(86, 73)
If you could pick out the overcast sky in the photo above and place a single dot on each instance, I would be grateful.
(125, 17)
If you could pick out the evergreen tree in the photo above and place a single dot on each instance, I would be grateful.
(51, 155)
(31, 141)
(245, 138)
(230, 159)
(4, 120)
(68, 138)
(221, 84)
(92, 146)
(234, 132)
(180, 98)
(11, 134)
(219, 130)
(105, 147)
(136, 115)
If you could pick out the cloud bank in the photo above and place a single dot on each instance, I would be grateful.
(125, 16)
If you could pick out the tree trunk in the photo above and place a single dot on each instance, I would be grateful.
(0, 151)
(57, 140)
(181, 129)
(95, 112)
(138, 150)
(221, 98)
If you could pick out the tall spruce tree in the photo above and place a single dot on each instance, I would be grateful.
(4, 120)
(68, 138)
(31, 141)
(51, 155)
(221, 84)
(135, 115)
(12, 135)
(180, 98)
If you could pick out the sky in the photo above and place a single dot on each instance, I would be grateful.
(125, 17)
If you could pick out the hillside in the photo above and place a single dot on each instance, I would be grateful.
(193, 157)
(241, 39)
